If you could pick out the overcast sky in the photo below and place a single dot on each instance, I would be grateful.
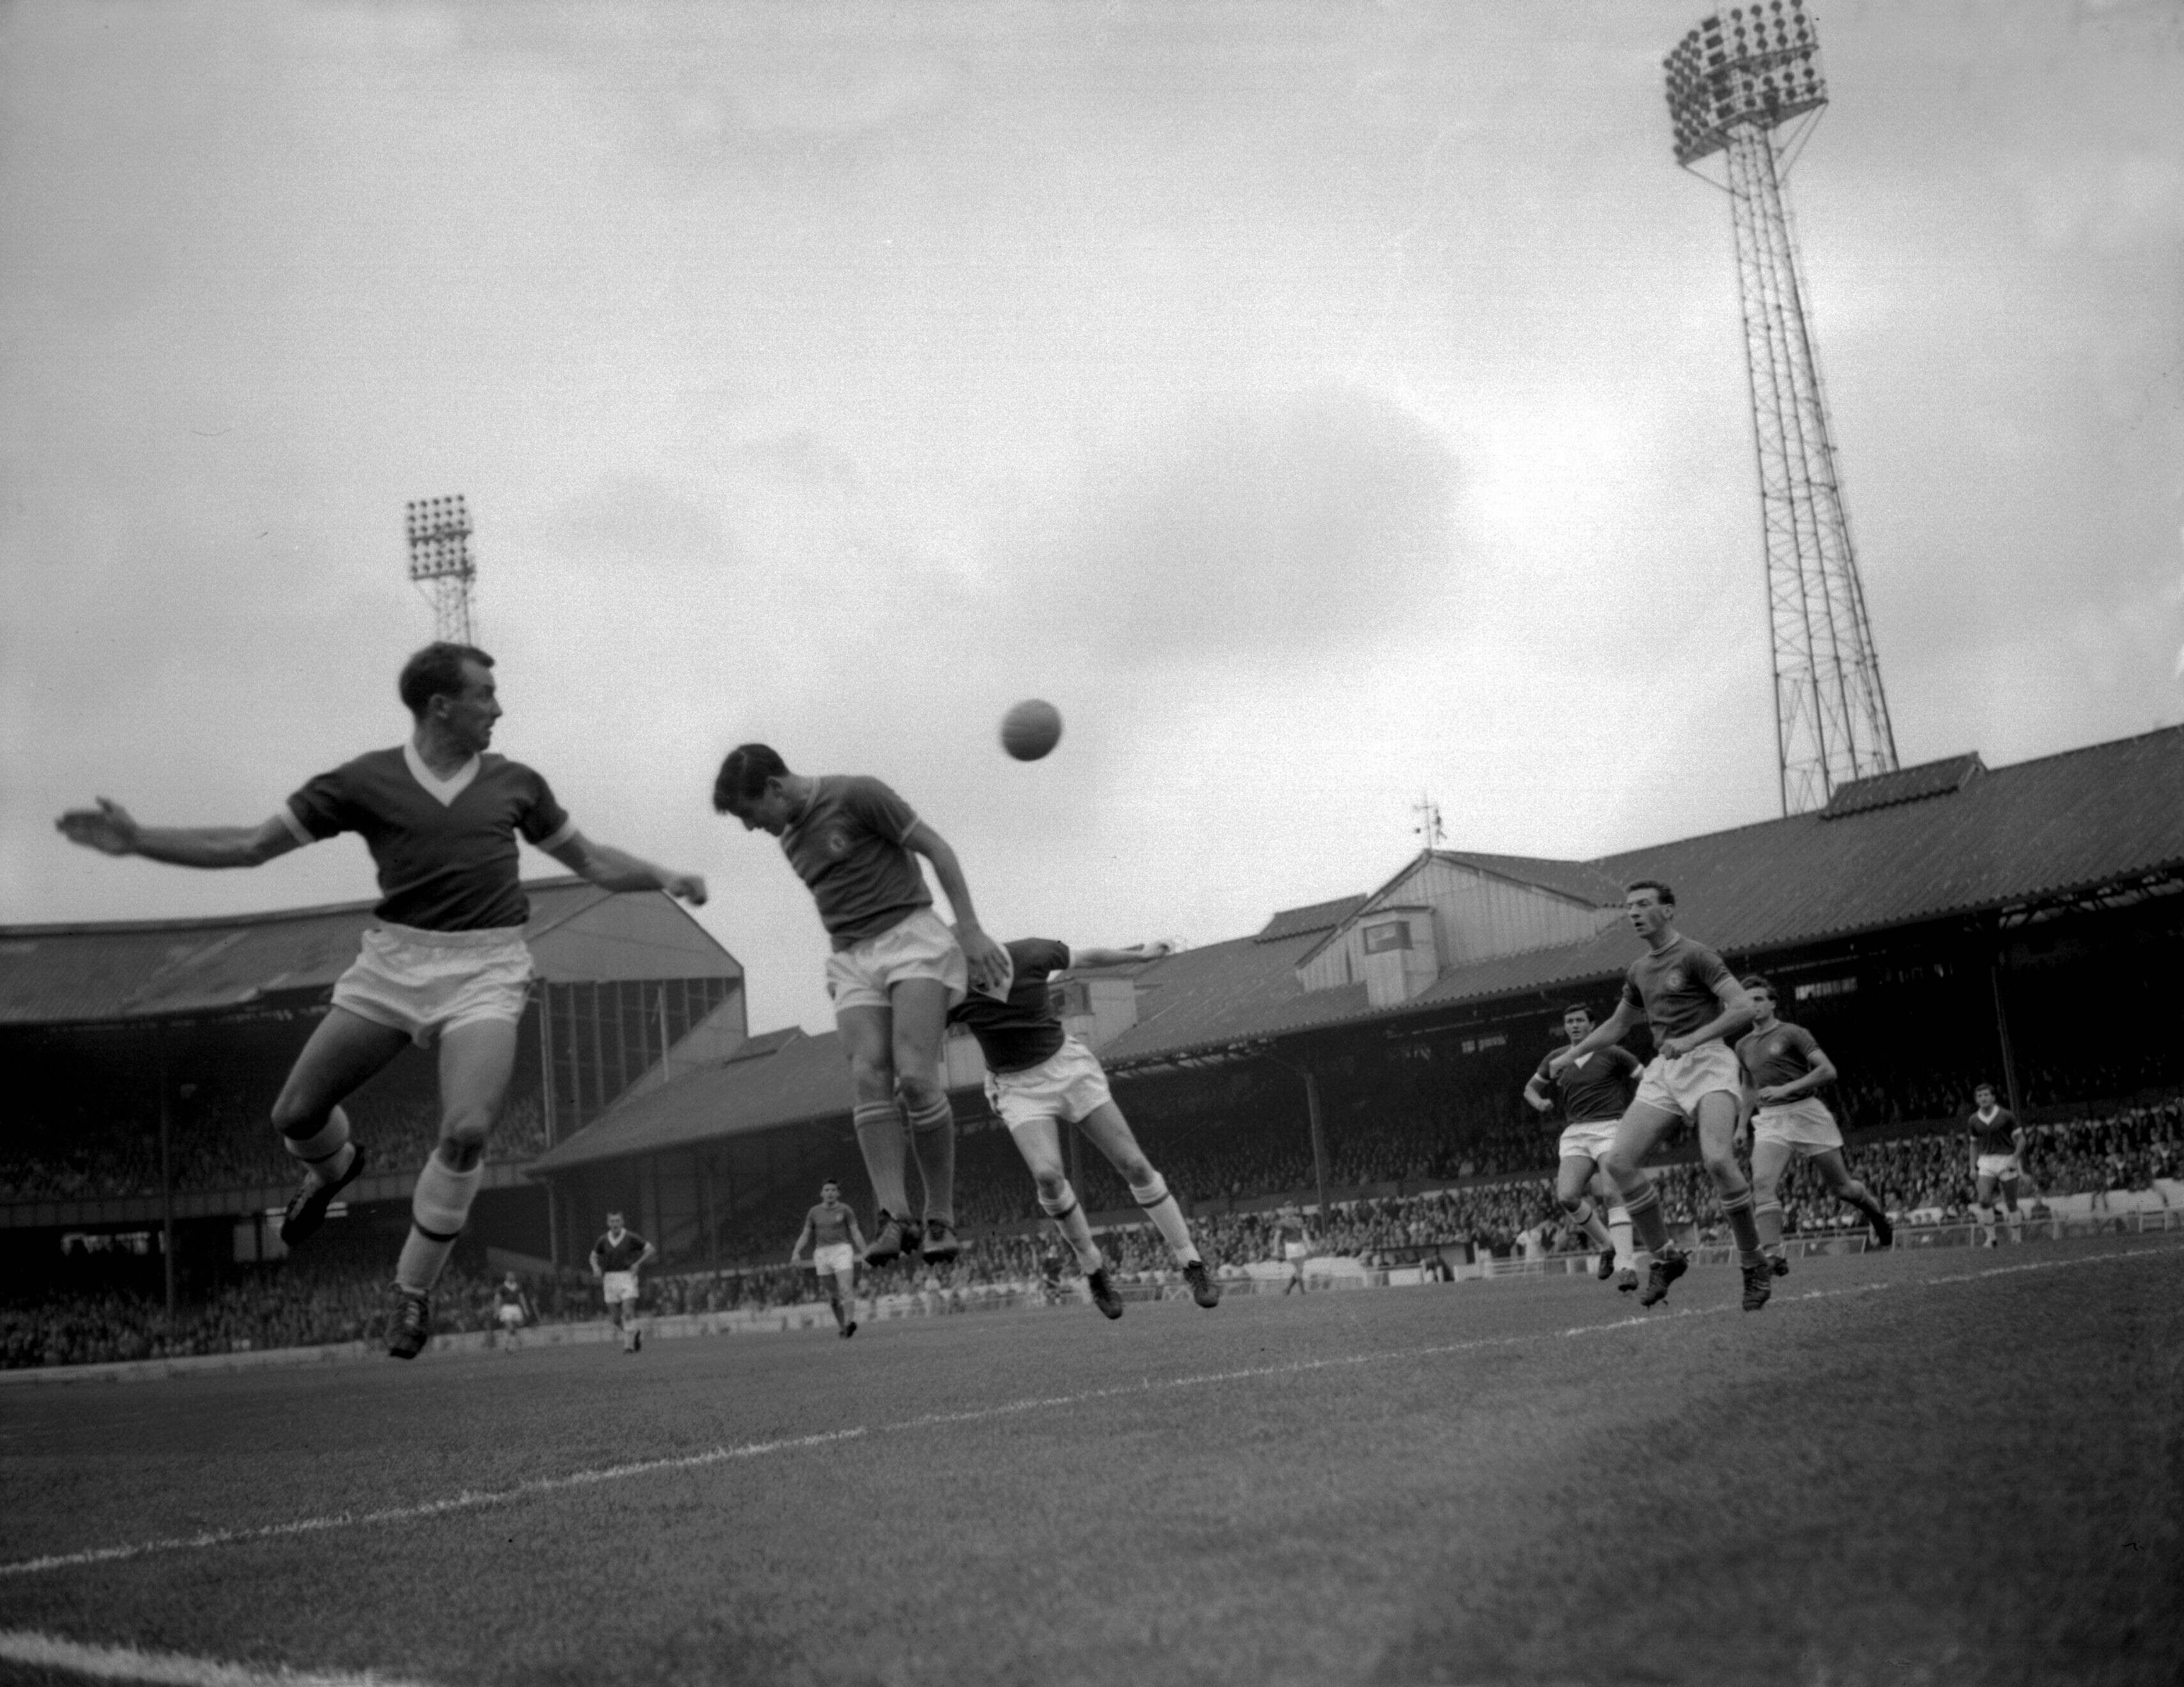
(1322, 404)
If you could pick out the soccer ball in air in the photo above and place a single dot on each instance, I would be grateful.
(1031, 729)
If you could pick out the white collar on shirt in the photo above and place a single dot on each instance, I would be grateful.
(443, 791)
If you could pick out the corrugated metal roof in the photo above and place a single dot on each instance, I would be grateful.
(1579, 880)
(795, 1079)
(1905, 785)
(1318, 916)
(148, 969)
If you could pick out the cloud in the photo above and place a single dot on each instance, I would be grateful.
(640, 519)
(1269, 527)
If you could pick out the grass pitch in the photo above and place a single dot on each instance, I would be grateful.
(1931, 1468)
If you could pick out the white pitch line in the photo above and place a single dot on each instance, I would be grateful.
(126, 1663)
(465, 1501)
(549, 1484)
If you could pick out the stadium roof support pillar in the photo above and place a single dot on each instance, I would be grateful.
(1312, 1117)
(2001, 1037)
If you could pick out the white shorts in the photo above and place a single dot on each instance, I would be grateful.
(619, 1286)
(835, 1257)
(1676, 1086)
(1587, 1139)
(1296, 1252)
(919, 946)
(427, 982)
(1067, 1085)
(509, 1317)
(2001, 1166)
(1804, 1125)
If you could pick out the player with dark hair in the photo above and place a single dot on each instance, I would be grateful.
(445, 963)
(1596, 1088)
(511, 1309)
(1040, 1078)
(830, 1229)
(1693, 1003)
(895, 972)
(617, 1259)
(1998, 1140)
(1784, 1068)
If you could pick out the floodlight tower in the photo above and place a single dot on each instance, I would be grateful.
(1747, 85)
(440, 564)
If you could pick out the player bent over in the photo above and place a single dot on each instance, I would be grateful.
(1783, 1066)
(1693, 1002)
(831, 1229)
(617, 1259)
(1040, 1078)
(445, 963)
(1998, 1140)
(895, 971)
(1597, 1089)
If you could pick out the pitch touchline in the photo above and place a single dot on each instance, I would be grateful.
(472, 1501)
(127, 1663)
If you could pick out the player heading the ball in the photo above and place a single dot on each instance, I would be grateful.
(895, 972)
(445, 964)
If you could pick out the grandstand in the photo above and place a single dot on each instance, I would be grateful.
(1933, 926)
(144, 1057)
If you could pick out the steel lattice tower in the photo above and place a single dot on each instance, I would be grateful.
(440, 564)
(1748, 86)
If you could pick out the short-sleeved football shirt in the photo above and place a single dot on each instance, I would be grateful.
(622, 1255)
(1674, 987)
(1780, 1054)
(830, 1225)
(848, 846)
(1994, 1135)
(1595, 1087)
(1019, 1031)
(445, 850)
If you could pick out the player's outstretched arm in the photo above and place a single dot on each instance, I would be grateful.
(612, 869)
(1117, 957)
(112, 830)
(986, 960)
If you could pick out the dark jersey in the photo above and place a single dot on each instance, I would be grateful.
(1781, 1055)
(1023, 1030)
(622, 1255)
(1674, 987)
(829, 1225)
(1994, 1135)
(1598, 1087)
(506, 1296)
(445, 851)
(848, 846)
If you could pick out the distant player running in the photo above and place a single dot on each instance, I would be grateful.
(830, 1231)
(1596, 1088)
(446, 961)
(511, 1309)
(1998, 1141)
(617, 1259)
(1693, 1002)
(1040, 1078)
(1784, 1068)
(1294, 1243)
(895, 971)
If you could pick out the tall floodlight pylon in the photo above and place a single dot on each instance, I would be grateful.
(1747, 85)
(440, 565)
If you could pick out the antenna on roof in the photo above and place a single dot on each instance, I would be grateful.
(1428, 826)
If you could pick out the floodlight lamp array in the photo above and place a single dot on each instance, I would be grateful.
(1757, 64)
(439, 539)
